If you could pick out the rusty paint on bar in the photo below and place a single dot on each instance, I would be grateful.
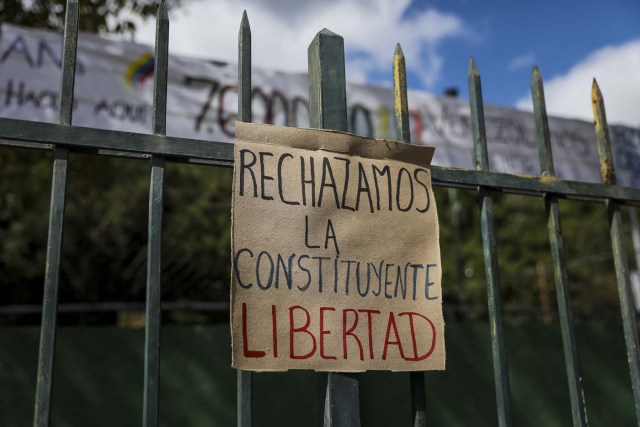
(490, 251)
(416, 379)
(607, 170)
(400, 96)
(244, 378)
(572, 362)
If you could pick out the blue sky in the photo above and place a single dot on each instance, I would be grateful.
(571, 41)
(510, 36)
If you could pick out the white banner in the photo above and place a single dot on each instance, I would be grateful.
(114, 91)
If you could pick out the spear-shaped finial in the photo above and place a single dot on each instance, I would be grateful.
(542, 124)
(162, 10)
(245, 21)
(244, 70)
(69, 54)
(400, 95)
(477, 117)
(327, 93)
(161, 67)
(607, 169)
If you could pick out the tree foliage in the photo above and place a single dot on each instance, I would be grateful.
(104, 253)
(104, 250)
(96, 16)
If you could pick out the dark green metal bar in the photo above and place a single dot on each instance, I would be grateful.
(490, 251)
(94, 140)
(416, 379)
(327, 94)
(607, 170)
(154, 247)
(28, 134)
(531, 185)
(244, 378)
(572, 363)
(42, 413)
(161, 71)
(328, 110)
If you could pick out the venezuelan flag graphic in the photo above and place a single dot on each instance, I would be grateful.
(139, 70)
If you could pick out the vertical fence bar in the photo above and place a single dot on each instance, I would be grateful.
(42, 412)
(401, 104)
(572, 363)
(608, 173)
(243, 398)
(490, 251)
(154, 248)
(339, 392)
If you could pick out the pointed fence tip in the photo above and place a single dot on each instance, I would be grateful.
(162, 10)
(326, 32)
(473, 68)
(398, 52)
(535, 74)
(596, 95)
(245, 20)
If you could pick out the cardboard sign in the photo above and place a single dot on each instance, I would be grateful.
(336, 258)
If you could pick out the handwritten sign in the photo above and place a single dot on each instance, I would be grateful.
(336, 260)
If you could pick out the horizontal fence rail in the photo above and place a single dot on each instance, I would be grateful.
(338, 393)
(27, 134)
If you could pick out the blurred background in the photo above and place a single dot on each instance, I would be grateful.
(98, 376)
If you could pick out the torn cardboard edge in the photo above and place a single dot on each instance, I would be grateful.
(335, 141)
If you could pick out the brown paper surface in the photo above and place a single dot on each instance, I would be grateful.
(335, 252)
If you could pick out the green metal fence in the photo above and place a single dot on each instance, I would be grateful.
(338, 393)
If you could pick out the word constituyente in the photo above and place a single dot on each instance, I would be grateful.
(264, 271)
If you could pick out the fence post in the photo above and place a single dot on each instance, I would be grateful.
(339, 393)
(42, 412)
(572, 363)
(608, 172)
(244, 378)
(154, 248)
(401, 103)
(490, 252)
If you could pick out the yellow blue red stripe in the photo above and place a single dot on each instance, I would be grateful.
(140, 70)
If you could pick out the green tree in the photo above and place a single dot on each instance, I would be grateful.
(105, 238)
(96, 16)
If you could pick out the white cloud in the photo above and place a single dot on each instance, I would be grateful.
(521, 61)
(617, 70)
(283, 29)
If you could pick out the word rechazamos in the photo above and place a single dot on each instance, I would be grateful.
(313, 183)
(333, 275)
